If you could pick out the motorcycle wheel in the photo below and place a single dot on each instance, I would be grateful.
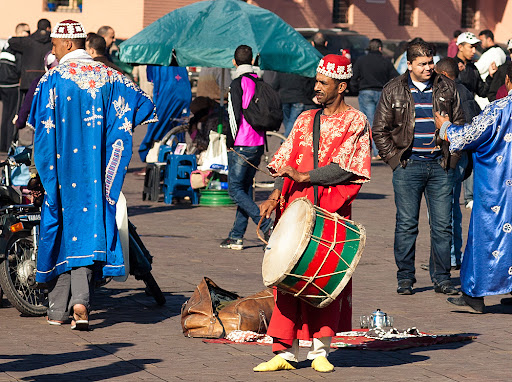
(152, 288)
(17, 278)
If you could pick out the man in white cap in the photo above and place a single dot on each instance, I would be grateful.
(343, 166)
(469, 75)
(83, 114)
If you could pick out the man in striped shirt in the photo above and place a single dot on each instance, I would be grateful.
(404, 134)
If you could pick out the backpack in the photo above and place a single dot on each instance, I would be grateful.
(264, 112)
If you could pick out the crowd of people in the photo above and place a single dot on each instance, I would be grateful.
(425, 123)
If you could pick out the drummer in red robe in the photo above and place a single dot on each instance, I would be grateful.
(343, 166)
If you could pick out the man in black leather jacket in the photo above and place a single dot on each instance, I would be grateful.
(404, 131)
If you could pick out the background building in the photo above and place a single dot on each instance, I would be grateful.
(434, 20)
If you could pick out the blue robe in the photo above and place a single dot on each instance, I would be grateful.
(172, 96)
(83, 114)
(487, 264)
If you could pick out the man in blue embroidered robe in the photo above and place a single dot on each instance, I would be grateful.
(83, 114)
(487, 264)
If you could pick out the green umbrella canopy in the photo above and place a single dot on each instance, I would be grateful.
(207, 33)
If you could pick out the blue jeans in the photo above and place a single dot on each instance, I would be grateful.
(409, 184)
(368, 101)
(240, 181)
(458, 176)
(290, 113)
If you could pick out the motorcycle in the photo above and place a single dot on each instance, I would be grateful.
(19, 236)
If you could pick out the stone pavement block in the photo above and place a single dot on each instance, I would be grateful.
(132, 339)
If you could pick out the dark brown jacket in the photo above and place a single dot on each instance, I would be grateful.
(393, 126)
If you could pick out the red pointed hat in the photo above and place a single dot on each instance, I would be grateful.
(335, 66)
(68, 29)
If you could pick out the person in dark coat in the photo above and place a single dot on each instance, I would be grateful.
(33, 49)
(96, 46)
(469, 75)
(10, 72)
(371, 73)
(296, 93)
(449, 68)
(498, 79)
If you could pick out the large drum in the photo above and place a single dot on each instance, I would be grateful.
(312, 253)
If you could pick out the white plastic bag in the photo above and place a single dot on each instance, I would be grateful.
(153, 152)
(216, 157)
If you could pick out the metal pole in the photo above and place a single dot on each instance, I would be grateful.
(221, 109)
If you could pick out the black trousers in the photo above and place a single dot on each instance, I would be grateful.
(10, 101)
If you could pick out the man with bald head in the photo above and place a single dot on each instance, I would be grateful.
(109, 35)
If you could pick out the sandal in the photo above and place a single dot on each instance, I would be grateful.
(80, 318)
(54, 322)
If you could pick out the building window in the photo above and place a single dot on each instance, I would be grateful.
(64, 5)
(340, 11)
(467, 17)
(406, 12)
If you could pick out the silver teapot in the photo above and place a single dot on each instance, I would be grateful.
(379, 319)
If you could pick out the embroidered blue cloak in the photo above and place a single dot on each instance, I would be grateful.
(83, 114)
(487, 264)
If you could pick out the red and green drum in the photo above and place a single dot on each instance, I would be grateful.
(312, 253)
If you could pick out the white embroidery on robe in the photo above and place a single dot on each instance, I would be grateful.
(93, 117)
(112, 167)
(51, 100)
(472, 131)
(121, 107)
(126, 126)
(496, 209)
(48, 124)
(507, 228)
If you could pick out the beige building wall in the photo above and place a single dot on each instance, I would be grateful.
(125, 16)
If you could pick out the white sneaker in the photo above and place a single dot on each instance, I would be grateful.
(469, 205)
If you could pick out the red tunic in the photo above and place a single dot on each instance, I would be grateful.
(344, 139)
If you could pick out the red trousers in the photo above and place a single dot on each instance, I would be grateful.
(295, 319)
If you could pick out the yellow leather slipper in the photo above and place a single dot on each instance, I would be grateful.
(322, 365)
(275, 364)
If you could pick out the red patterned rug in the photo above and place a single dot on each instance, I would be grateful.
(353, 340)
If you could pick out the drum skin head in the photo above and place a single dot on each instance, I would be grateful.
(288, 241)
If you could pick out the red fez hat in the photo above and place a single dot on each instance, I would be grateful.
(335, 66)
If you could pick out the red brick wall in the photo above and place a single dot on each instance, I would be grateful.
(436, 19)
(154, 9)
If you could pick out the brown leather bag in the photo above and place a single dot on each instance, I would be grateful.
(199, 313)
(213, 312)
(250, 313)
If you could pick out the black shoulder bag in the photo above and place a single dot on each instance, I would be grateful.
(316, 143)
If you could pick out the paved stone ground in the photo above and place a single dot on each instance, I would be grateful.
(133, 339)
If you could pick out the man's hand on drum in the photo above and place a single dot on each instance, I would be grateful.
(270, 204)
(290, 172)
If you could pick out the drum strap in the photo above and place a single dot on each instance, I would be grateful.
(316, 144)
